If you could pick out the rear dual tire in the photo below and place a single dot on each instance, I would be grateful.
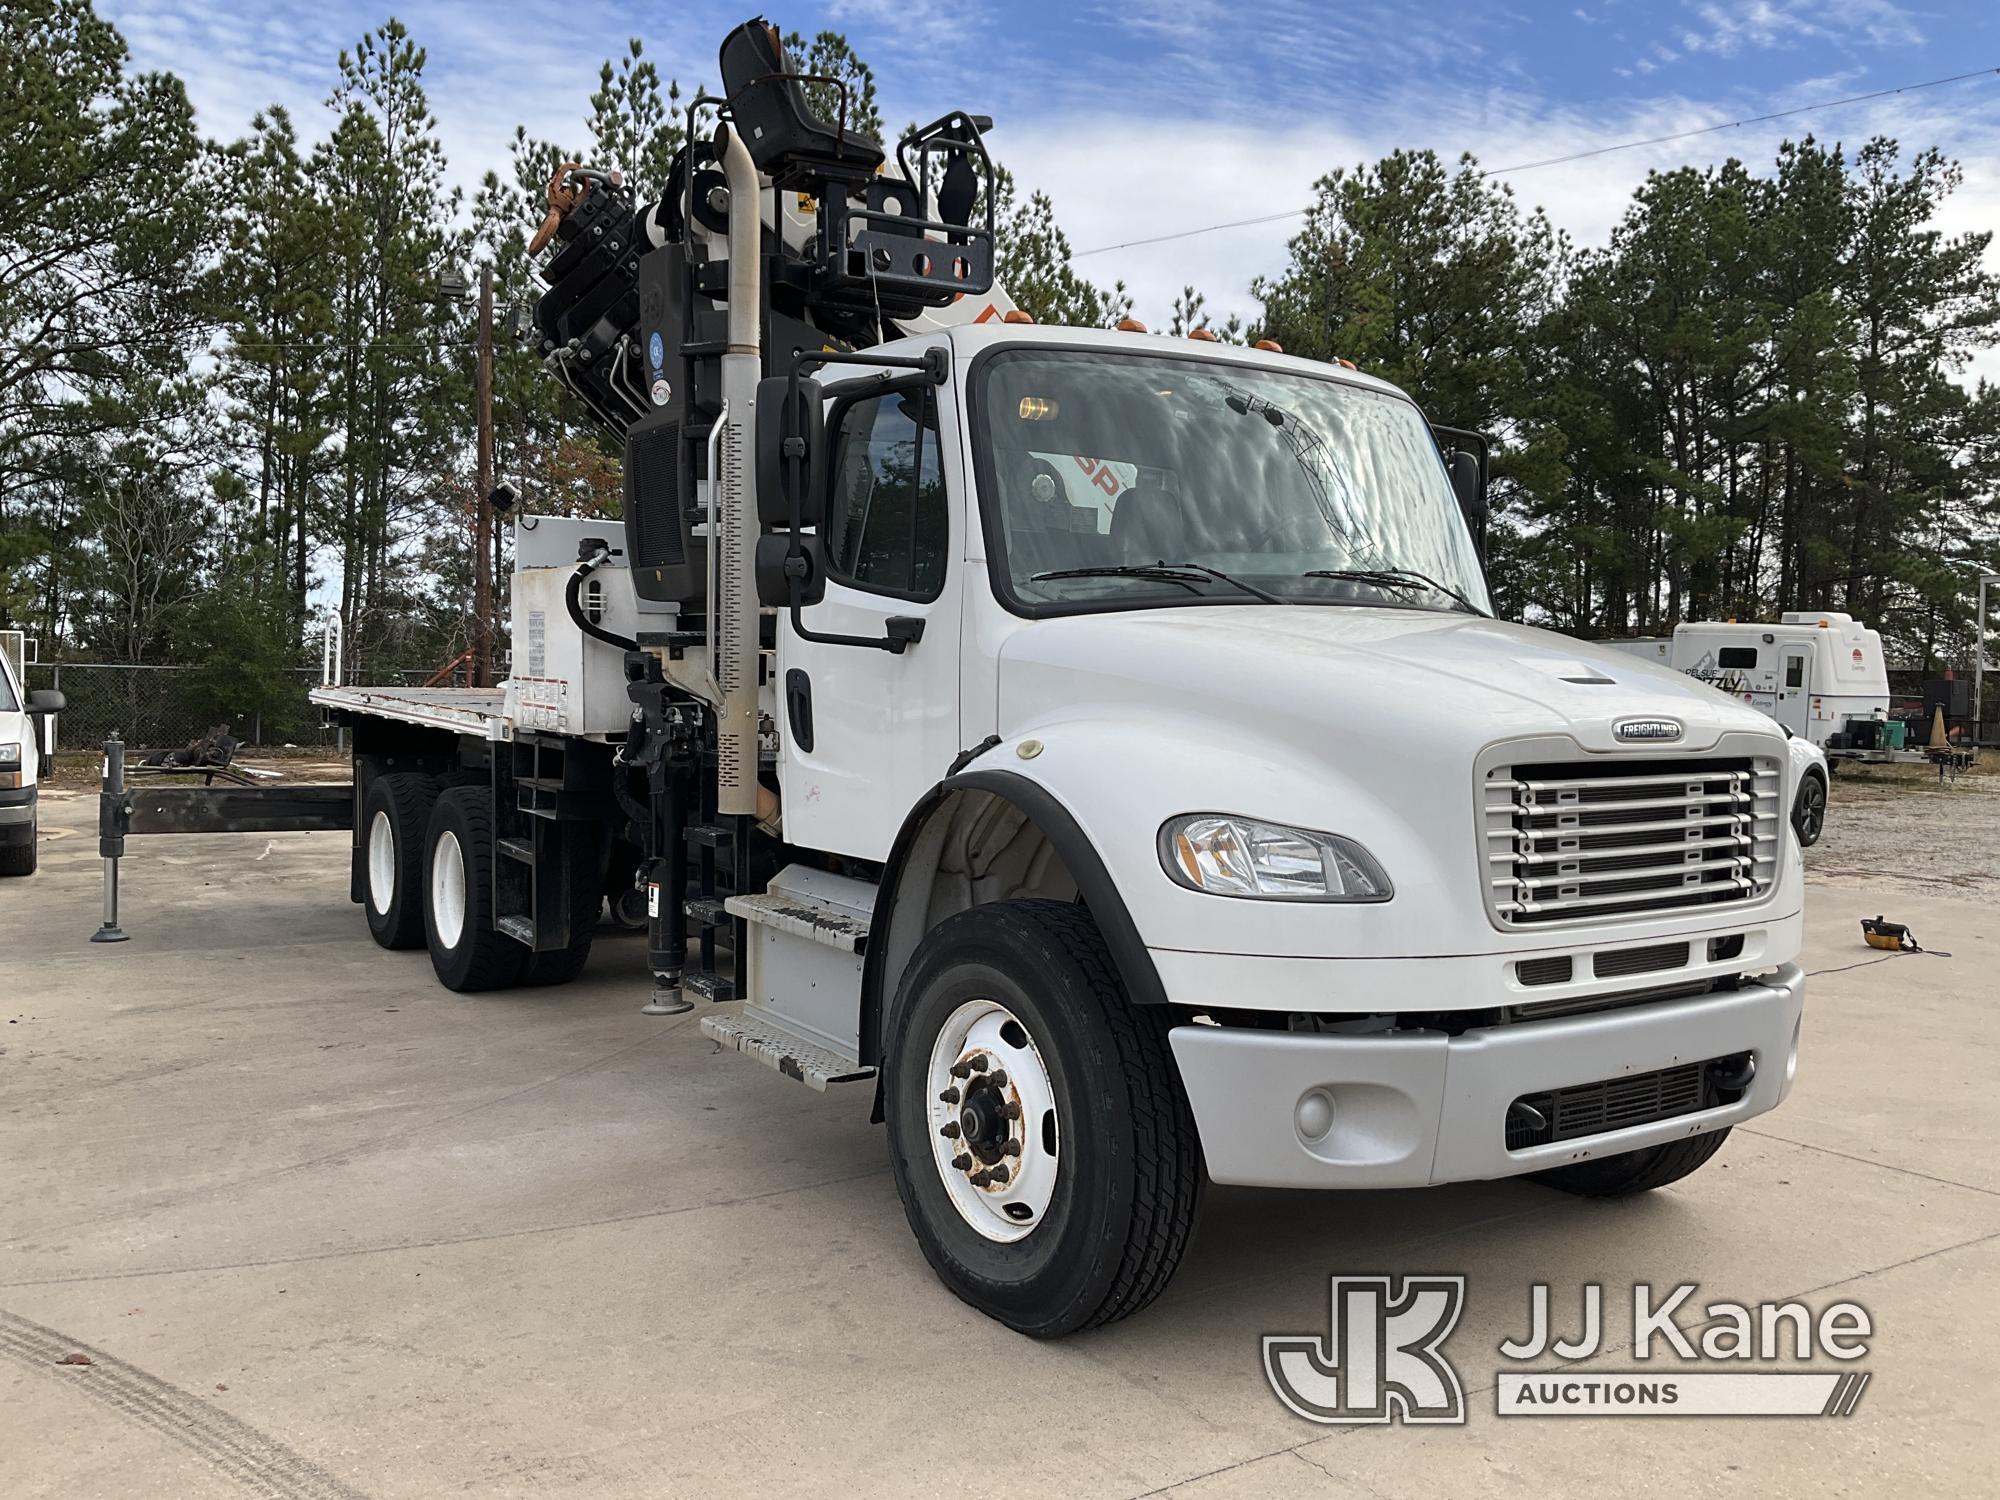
(395, 819)
(467, 951)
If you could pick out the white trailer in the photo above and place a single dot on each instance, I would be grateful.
(1819, 673)
(1097, 747)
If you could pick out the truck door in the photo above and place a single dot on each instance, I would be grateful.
(865, 733)
(1794, 688)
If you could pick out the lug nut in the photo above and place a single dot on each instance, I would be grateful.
(981, 1178)
(949, 1131)
(949, 1096)
(999, 1078)
(979, 1062)
(961, 1161)
(1011, 1109)
(1010, 1148)
(961, 1070)
(999, 1173)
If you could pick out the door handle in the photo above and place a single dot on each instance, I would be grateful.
(799, 708)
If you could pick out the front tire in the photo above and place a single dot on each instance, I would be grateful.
(1809, 811)
(395, 817)
(467, 951)
(1063, 1196)
(19, 859)
(1638, 1171)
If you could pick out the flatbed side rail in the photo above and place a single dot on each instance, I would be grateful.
(124, 811)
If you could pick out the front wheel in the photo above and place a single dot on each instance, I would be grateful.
(1638, 1171)
(1809, 811)
(19, 858)
(1039, 1136)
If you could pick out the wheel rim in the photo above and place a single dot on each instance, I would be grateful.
(381, 862)
(992, 1120)
(448, 889)
(1812, 812)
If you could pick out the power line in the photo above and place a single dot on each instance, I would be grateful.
(1556, 161)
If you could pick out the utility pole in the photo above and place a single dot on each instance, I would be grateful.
(1986, 580)
(482, 525)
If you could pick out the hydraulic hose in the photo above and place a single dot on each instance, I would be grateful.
(573, 602)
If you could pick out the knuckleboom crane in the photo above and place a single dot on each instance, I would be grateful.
(668, 320)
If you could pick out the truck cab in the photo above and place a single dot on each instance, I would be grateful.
(23, 726)
(1206, 647)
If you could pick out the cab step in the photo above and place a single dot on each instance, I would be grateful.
(757, 1033)
(837, 925)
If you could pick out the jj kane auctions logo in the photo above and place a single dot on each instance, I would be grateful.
(1382, 1357)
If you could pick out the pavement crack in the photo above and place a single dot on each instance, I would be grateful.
(445, 1242)
(1886, 1166)
(175, 1200)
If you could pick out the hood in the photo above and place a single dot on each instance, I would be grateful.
(1438, 686)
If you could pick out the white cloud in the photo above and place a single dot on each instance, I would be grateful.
(1313, 88)
(1730, 26)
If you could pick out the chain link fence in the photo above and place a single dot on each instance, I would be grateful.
(167, 707)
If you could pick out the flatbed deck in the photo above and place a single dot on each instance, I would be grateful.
(476, 711)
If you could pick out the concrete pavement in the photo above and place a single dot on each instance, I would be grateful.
(328, 1230)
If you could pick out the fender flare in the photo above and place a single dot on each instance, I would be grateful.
(1059, 826)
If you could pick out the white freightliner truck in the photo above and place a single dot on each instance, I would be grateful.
(1099, 743)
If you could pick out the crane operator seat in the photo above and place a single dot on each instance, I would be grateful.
(786, 137)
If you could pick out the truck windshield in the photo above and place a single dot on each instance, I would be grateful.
(1116, 480)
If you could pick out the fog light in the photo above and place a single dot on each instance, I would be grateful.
(1314, 1115)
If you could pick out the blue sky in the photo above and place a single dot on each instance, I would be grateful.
(1143, 117)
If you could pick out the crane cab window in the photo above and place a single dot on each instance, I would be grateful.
(1736, 657)
(887, 526)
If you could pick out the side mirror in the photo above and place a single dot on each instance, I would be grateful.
(791, 446)
(1465, 482)
(774, 583)
(1468, 482)
(47, 701)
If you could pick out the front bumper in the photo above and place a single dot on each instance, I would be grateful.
(17, 809)
(1413, 1108)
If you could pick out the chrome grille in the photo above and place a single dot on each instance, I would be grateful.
(1569, 841)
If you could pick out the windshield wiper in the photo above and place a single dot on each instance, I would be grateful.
(1187, 573)
(1396, 578)
(1186, 577)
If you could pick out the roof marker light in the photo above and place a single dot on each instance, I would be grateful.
(1270, 346)
(1131, 325)
(1015, 315)
(1203, 335)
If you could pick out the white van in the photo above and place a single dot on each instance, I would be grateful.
(22, 725)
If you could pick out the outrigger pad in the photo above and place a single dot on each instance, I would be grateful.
(786, 138)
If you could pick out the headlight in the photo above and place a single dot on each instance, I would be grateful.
(1227, 856)
(10, 754)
